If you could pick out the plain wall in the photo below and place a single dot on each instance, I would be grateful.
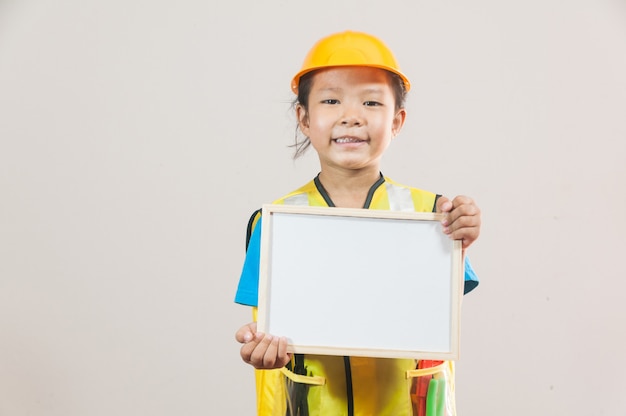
(136, 137)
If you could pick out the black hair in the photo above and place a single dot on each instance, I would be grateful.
(304, 90)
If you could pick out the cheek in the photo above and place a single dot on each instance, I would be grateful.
(382, 126)
(319, 122)
(393, 123)
(317, 125)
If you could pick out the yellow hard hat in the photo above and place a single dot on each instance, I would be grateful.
(349, 49)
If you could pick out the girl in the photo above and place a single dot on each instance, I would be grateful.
(350, 106)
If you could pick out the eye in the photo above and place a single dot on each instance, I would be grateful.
(372, 103)
(330, 101)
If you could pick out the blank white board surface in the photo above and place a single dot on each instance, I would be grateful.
(360, 282)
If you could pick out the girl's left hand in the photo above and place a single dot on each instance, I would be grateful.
(462, 221)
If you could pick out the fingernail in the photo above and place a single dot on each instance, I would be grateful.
(444, 222)
(247, 337)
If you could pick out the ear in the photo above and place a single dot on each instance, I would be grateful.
(303, 119)
(398, 122)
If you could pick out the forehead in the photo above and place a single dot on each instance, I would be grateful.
(351, 76)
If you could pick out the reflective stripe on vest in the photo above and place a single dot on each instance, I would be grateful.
(298, 199)
(400, 198)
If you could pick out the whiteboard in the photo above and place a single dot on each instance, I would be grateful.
(360, 282)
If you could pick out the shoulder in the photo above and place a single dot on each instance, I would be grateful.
(391, 182)
(299, 195)
(301, 192)
(423, 200)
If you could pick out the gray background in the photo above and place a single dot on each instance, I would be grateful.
(137, 136)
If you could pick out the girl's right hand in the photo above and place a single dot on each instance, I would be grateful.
(262, 351)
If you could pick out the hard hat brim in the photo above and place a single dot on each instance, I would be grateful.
(295, 82)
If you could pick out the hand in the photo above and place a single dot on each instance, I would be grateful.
(262, 351)
(462, 220)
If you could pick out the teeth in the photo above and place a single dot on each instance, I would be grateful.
(346, 140)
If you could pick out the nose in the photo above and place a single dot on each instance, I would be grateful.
(352, 121)
(352, 116)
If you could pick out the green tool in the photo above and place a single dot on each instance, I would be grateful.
(436, 399)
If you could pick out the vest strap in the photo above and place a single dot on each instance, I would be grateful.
(298, 378)
(427, 371)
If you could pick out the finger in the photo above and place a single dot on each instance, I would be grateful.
(271, 353)
(266, 354)
(246, 333)
(263, 341)
(462, 200)
(463, 217)
(464, 228)
(247, 350)
(283, 356)
(467, 235)
(443, 205)
(463, 207)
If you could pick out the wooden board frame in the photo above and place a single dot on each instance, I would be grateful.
(357, 282)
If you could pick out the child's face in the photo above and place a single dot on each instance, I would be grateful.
(351, 117)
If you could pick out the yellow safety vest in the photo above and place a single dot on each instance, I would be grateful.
(322, 385)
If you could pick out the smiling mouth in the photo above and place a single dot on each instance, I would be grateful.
(348, 140)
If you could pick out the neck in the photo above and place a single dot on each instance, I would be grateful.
(348, 189)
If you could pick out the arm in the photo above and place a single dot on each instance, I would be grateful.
(262, 351)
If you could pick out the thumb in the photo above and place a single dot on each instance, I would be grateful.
(246, 333)
(443, 205)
